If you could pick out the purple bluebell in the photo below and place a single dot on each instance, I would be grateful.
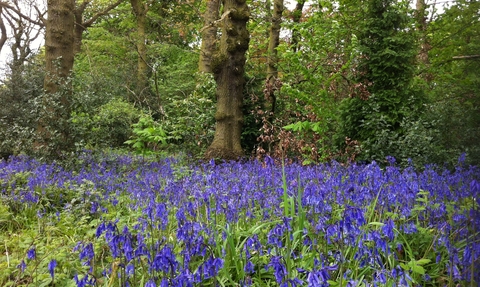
(388, 229)
(31, 254)
(22, 266)
(150, 283)
(279, 269)
(84, 281)
(51, 267)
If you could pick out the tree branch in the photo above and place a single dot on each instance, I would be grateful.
(39, 22)
(3, 38)
(215, 23)
(466, 57)
(94, 18)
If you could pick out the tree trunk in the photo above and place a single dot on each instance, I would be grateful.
(79, 27)
(271, 83)
(209, 36)
(420, 8)
(59, 44)
(228, 66)
(140, 10)
(296, 16)
(59, 63)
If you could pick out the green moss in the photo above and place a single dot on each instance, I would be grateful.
(218, 61)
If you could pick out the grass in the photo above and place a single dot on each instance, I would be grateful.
(129, 221)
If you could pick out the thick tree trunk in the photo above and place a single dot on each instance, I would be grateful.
(59, 63)
(228, 66)
(59, 43)
(209, 36)
(271, 83)
(140, 10)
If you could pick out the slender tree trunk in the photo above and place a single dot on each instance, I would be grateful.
(209, 36)
(420, 8)
(228, 66)
(271, 83)
(296, 16)
(79, 27)
(140, 10)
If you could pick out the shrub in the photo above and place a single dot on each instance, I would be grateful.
(108, 126)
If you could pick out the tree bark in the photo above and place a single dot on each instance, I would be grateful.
(209, 36)
(59, 63)
(420, 10)
(59, 44)
(140, 10)
(228, 66)
(271, 83)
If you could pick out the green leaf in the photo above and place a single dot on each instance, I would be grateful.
(423, 261)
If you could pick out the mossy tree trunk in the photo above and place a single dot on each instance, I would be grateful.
(228, 66)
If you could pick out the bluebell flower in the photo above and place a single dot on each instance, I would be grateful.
(249, 267)
(313, 279)
(165, 261)
(210, 267)
(22, 266)
(51, 267)
(85, 281)
(292, 283)
(150, 283)
(130, 270)
(86, 253)
(279, 269)
(275, 235)
(388, 229)
(318, 278)
(31, 253)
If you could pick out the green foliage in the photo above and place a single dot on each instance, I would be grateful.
(173, 78)
(148, 136)
(386, 105)
(18, 91)
(315, 76)
(107, 126)
(189, 119)
(454, 84)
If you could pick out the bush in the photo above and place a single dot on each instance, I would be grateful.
(108, 126)
(22, 84)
